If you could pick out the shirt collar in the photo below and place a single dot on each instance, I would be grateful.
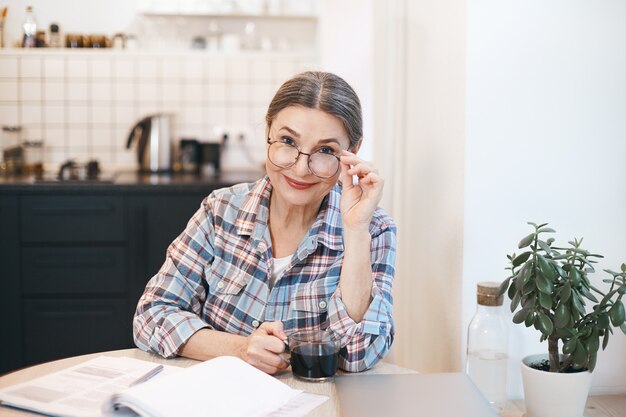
(326, 230)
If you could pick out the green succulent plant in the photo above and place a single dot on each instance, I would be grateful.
(549, 288)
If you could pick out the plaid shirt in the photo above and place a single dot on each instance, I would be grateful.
(216, 276)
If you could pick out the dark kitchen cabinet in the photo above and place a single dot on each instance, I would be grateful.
(75, 260)
(153, 228)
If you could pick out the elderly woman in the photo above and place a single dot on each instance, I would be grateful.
(304, 248)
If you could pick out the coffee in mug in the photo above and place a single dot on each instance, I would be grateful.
(314, 355)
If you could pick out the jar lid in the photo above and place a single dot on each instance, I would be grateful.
(487, 293)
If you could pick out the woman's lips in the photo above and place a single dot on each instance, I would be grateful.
(297, 184)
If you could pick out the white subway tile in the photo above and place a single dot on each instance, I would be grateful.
(8, 67)
(263, 93)
(77, 91)
(123, 68)
(33, 132)
(216, 115)
(239, 93)
(148, 68)
(101, 114)
(171, 69)
(53, 67)
(238, 116)
(262, 70)
(55, 137)
(77, 114)
(124, 114)
(194, 70)
(192, 93)
(54, 113)
(191, 131)
(216, 69)
(148, 92)
(78, 138)
(170, 93)
(54, 90)
(190, 116)
(148, 108)
(124, 91)
(101, 68)
(30, 90)
(30, 67)
(30, 114)
(284, 69)
(55, 155)
(8, 90)
(105, 158)
(101, 91)
(77, 68)
(9, 114)
(216, 93)
(127, 158)
(238, 69)
(102, 137)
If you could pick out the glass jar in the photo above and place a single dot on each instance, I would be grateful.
(33, 157)
(487, 346)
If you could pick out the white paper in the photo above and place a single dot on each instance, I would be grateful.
(221, 387)
(225, 386)
(79, 391)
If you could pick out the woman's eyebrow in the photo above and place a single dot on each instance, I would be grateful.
(329, 140)
(290, 130)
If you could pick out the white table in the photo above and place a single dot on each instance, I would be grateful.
(328, 409)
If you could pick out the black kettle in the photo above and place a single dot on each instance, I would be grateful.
(152, 137)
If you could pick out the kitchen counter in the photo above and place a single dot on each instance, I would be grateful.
(129, 181)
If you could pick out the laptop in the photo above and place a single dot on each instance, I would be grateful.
(404, 395)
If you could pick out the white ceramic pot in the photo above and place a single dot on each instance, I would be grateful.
(550, 394)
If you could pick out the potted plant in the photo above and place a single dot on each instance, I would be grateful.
(550, 290)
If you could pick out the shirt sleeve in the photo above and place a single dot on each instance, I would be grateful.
(169, 311)
(365, 343)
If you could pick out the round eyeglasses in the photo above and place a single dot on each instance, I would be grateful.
(321, 163)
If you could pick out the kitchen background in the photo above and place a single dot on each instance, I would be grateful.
(82, 102)
(475, 111)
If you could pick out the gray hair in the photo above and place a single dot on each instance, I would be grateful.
(324, 91)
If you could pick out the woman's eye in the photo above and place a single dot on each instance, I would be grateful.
(326, 150)
(287, 140)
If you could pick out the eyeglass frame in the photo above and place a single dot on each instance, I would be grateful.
(308, 158)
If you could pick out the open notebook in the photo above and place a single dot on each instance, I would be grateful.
(223, 387)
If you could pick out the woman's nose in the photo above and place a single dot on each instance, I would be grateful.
(301, 167)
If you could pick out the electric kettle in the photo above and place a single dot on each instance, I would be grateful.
(152, 137)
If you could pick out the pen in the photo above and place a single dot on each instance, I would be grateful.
(143, 378)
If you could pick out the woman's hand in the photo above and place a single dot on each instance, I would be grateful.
(263, 347)
(359, 201)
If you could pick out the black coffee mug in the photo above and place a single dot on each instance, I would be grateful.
(314, 355)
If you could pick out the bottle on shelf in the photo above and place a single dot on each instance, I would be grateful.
(55, 36)
(30, 29)
(487, 346)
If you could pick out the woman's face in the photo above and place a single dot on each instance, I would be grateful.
(310, 130)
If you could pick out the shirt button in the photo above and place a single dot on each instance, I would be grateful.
(255, 323)
(220, 285)
(322, 304)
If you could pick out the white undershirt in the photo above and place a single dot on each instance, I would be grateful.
(278, 268)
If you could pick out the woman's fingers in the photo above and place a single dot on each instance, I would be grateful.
(264, 347)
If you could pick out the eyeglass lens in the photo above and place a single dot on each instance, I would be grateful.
(321, 164)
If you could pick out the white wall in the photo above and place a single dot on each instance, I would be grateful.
(346, 49)
(545, 142)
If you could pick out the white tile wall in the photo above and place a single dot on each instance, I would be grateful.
(83, 103)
